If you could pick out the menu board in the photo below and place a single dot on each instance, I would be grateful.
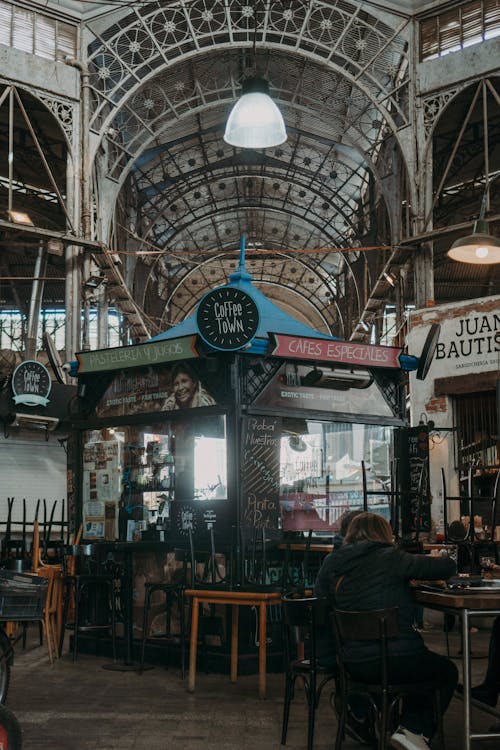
(416, 514)
(260, 471)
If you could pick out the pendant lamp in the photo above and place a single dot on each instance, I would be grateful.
(255, 121)
(480, 247)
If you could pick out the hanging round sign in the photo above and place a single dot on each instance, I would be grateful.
(31, 383)
(227, 318)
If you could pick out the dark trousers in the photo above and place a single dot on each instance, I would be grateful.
(492, 679)
(417, 713)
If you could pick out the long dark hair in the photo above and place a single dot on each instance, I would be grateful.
(185, 368)
(369, 527)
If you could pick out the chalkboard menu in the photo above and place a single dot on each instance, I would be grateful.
(260, 473)
(416, 511)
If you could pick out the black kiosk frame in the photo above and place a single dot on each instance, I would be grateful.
(238, 421)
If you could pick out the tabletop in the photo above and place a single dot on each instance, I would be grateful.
(458, 598)
(466, 604)
(302, 547)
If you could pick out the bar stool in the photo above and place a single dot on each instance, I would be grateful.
(91, 587)
(174, 593)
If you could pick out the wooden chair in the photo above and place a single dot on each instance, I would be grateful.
(302, 617)
(383, 697)
(52, 609)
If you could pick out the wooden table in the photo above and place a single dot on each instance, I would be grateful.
(465, 605)
(260, 599)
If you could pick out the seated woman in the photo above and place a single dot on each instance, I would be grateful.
(369, 572)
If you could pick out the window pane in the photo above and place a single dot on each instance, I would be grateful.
(472, 23)
(45, 37)
(428, 39)
(492, 12)
(5, 23)
(22, 37)
(468, 24)
(449, 30)
(66, 41)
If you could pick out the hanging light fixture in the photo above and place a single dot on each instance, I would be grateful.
(480, 247)
(255, 120)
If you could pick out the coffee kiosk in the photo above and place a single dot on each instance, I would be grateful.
(238, 420)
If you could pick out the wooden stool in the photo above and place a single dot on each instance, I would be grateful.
(260, 599)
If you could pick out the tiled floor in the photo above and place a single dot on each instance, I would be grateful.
(84, 707)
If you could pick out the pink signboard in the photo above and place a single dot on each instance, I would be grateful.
(342, 352)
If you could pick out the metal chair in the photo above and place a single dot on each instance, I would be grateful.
(383, 697)
(302, 617)
(297, 575)
(261, 564)
(90, 586)
(209, 573)
(206, 568)
(174, 593)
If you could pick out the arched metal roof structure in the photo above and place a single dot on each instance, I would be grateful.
(372, 176)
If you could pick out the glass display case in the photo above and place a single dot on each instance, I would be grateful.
(321, 471)
(132, 474)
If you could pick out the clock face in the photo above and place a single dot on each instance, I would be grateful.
(227, 318)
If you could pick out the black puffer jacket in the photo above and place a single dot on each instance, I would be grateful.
(371, 575)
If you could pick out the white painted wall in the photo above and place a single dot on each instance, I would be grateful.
(469, 343)
(31, 468)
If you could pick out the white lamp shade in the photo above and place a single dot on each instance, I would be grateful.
(255, 121)
(479, 248)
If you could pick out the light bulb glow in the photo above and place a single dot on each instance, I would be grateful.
(482, 251)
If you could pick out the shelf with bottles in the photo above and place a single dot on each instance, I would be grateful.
(154, 474)
(144, 483)
(479, 481)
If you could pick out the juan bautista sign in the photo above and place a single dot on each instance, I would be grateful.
(469, 343)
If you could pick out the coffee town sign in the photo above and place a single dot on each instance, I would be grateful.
(31, 383)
